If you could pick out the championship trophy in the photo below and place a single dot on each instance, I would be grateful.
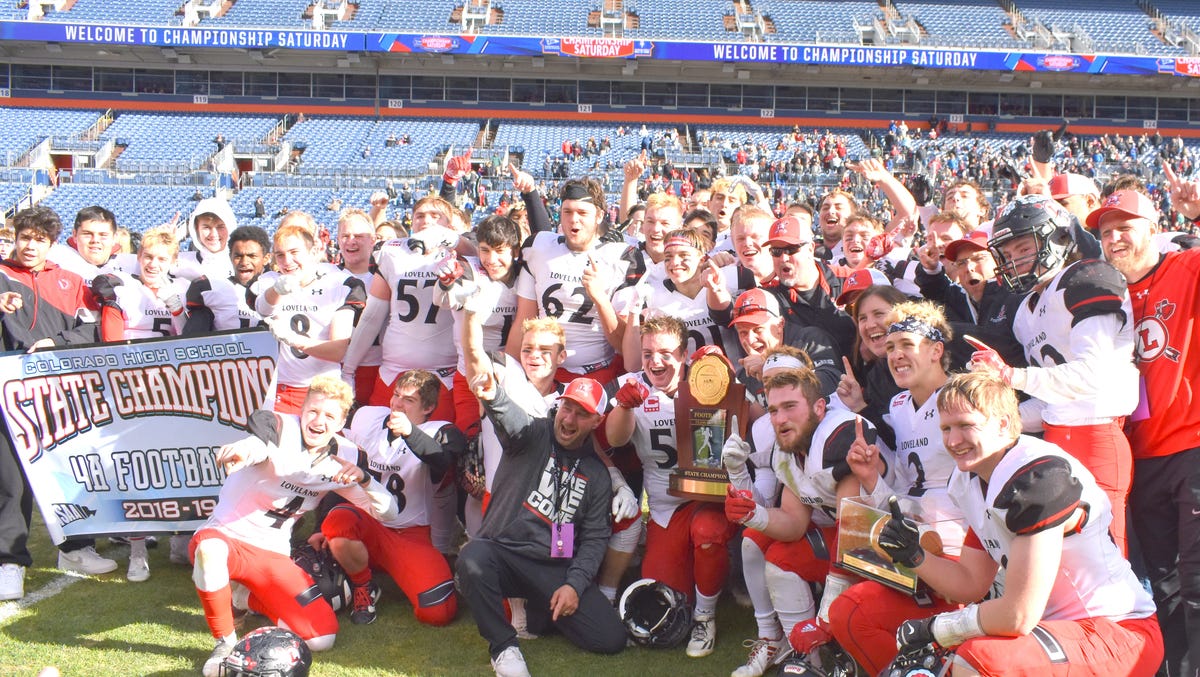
(704, 409)
(859, 526)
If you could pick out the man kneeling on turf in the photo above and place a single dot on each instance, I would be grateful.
(275, 476)
(409, 454)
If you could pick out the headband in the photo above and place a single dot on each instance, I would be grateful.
(576, 191)
(915, 326)
(679, 241)
(782, 361)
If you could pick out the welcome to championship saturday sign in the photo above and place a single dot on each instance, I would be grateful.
(586, 47)
(122, 439)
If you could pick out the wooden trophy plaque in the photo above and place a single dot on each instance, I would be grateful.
(704, 408)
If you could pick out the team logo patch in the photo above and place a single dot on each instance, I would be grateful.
(651, 405)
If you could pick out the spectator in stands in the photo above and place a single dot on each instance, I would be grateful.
(7, 238)
(41, 306)
(208, 227)
(260, 207)
(391, 140)
(1163, 429)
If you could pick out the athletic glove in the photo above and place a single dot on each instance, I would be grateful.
(1043, 146)
(740, 508)
(449, 270)
(174, 303)
(286, 284)
(913, 635)
(985, 358)
(632, 394)
(900, 538)
(735, 451)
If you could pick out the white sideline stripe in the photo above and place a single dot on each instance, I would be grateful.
(10, 609)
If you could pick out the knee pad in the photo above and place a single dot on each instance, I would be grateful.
(322, 643)
(626, 540)
(752, 552)
(710, 528)
(211, 569)
(788, 591)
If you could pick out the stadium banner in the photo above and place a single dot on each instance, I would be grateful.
(595, 47)
(122, 439)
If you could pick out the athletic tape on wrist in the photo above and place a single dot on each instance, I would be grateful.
(955, 627)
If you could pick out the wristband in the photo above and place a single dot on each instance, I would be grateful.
(446, 178)
(955, 627)
(365, 480)
(759, 519)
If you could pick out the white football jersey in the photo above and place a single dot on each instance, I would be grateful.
(553, 277)
(193, 264)
(418, 334)
(661, 298)
(1053, 327)
(232, 304)
(1038, 486)
(68, 258)
(145, 313)
(814, 478)
(394, 465)
(260, 503)
(655, 441)
(374, 354)
(309, 311)
(496, 306)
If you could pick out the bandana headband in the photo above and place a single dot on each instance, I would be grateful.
(679, 241)
(913, 325)
(575, 191)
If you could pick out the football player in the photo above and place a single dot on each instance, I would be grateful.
(278, 473)
(215, 304)
(409, 455)
(1075, 325)
(685, 540)
(150, 304)
(1064, 600)
(208, 226)
(312, 313)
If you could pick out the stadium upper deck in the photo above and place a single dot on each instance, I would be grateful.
(1149, 27)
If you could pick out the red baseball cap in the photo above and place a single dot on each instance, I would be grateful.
(587, 393)
(788, 231)
(975, 241)
(1066, 185)
(755, 306)
(1128, 202)
(858, 281)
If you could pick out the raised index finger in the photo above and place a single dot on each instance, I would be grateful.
(846, 364)
(894, 506)
(1170, 174)
(858, 430)
(976, 343)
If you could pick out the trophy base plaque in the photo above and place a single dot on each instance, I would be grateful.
(859, 550)
(699, 484)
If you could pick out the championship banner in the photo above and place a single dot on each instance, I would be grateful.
(589, 47)
(122, 439)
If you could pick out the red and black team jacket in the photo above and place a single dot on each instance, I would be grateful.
(58, 305)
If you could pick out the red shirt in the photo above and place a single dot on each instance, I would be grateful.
(1166, 304)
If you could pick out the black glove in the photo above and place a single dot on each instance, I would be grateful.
(1043, 146)
(912, 635)
(900, 538)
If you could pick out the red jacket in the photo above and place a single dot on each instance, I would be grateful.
(57, 304)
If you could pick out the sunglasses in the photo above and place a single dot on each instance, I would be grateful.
(788, 250)
(748, 308)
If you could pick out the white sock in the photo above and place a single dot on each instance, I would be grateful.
(791, 595)
(706, 605)
(609, 592)
(754, 571)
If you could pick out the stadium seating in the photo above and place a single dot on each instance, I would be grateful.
(175, 142)
(272, 13)
(24, 127)
(137, 207)
(336, 145)
(1114, 26)
(822, 21)
(959, 23)
(1183, 11)
(146, 12)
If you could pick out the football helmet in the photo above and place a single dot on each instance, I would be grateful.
(655, 614)
(326, 573)
(268, 652)
(1050, 226)
(927, 661)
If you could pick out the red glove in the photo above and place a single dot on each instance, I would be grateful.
(807, 636)
(985, 358)
(449, 270)
(457, 167)
(879, 246)
(632, 394)
(739, 505)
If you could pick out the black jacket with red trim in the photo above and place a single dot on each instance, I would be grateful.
(56, 304)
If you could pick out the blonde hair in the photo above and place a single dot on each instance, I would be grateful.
(331, 388)
(302, 219)
(351, 213)
(660, 200)
(545, 324)
(294, 230)
(984, 393)
(805, 379)
(728, 187)
(160, 235)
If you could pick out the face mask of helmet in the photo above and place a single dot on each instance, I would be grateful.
(268, 652)
(655, 614)
(331, 580)
(1048, 224)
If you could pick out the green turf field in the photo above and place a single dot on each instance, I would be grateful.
(108, 626)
